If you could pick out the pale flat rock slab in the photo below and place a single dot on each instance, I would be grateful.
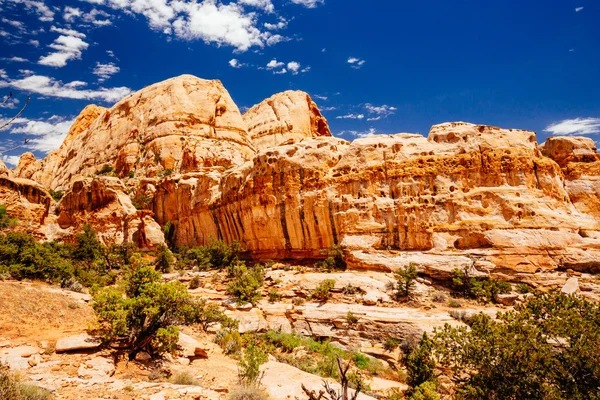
(384, 385)
(97, 367)
(571, 286)
(191, 347)
(250, 321)
(283, 382)
(17, 358)
(77, 342)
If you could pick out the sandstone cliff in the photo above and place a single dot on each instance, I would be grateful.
(275, 180)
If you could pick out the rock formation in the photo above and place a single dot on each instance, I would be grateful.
(275, 180)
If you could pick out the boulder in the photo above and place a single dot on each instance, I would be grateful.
(571, 286)
(508, 299)
(190, 347)
(77, 342)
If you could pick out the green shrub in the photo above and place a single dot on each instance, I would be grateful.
(143, 313)
(323, 291)
(420, 363)
(547, 349)
(249, 364)
(11, 388)
(391, 343)
(164, 259)
(350, 290)
(207, 314)
(484, 290)
(454, 303)
(105, 170)
(334, 259)
(405, 280)
(131, 174)
(215, 255)
(274, 295)
(523, 288)
(141, 202)
(5, 220)
(425, 391)
(195, 282)
(246, 283)
(56, 195)
(351, 319)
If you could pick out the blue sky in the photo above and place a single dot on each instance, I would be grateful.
(373, 67)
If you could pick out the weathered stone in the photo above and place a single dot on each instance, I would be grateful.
(571, 286)
(508, 299)
(191, 347)
(77, 342)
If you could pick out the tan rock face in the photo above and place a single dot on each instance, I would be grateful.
(276, 181)
(181, 124)
(285, 118)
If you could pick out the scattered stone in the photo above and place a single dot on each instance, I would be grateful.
(191, 347)
(370, 299)
(508, 299)
(143, 356)
(17, 357)
(571, 286)
(78, 342)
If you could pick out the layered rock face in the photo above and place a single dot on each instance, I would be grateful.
(275, 180)
(285, 118)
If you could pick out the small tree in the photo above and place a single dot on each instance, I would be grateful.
(164, 259)
(420, 363)
(249, 365)
(88, 248)
(246, 283)
(323, 291)
(331, 394)
(334, 259)
(405, 280)
(143, 315)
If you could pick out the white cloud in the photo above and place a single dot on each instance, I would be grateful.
(308, 3)
(306, 69)
(44, 136)
(578, 9)
(282, 24)
(38, 7)
(324, 98)
(383, 111)
(234, 63)
(265, 5)
(11, 160)
(360, 135)
(16, 59)
(280, 72)
(110, 53)
(351, 116)
(355, 63)
(68, 46)
(50, 87)
(3, 74)
(9, 102)
(577, 126)
(71, 13)
(105, 71)
(328, 108)
(95, 16)
(274, 39)
(15, 24)
(293, 67)
(34, 43)
(273, 64)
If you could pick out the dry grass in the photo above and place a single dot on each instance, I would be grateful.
(31, 311)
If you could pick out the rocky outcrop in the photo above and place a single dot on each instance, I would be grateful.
(103, 203)
(274, 179)
(181, 124)
(26, 201)
(285, 118)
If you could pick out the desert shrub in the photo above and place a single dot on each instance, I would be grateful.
(72, 284)
(439, 298)
(230, 341)
(461, 315)
(243, 392)
(106, 169)
(334, 259)
(143, 313)
(547, 349)
(184, 378)
(351, 318)
(164, 259)
(323, 291)
(350, 290)
(23, 257)
(420, 363)
(131, 174)
(169, 232)
(207, 314)
(523, 288)
(391, 343)
(5, 220)
(246, 283)
(141, 202)
(405, 280)
(484, 290)
(195, 282)
(454, 303)
(285, 341)
(425, 391)
(274, 295)
(56, 195)
(215, 255)
(11, 388)
(88, 247)
(297, 301)
(249, 364)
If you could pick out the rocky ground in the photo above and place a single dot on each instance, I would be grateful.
(43, 335)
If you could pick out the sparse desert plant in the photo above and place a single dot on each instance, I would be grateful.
(274, 295)
(183, 378)
(195, 282)
(323, 291)
(420, 363)
(351, 318)
(164, 259)
(57, 195)
(246, 283)
(12, 388)
(332, 394)
(73, 285)
(334, 259)
(215, 255)
(349, 289)
(405, 280)
(391, 343)
(252, 392)
(249, 365)
(454, 303)
(106, 169)
(523, 288)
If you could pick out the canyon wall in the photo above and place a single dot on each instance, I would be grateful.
(276, 180)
